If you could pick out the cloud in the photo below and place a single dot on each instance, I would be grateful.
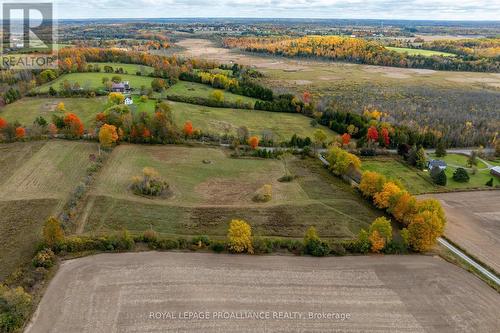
(381, 9)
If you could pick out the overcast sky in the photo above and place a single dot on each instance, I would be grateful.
(375, 9)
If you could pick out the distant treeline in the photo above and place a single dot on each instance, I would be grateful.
(359, 51)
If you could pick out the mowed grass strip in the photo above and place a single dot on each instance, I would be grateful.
(206, 196)
(94, 81)
(27, 109)
(192, 89)
(422, 52)
(217, 120)
(413, 180)
(127, 68)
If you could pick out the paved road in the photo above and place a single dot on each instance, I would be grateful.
(161, 292)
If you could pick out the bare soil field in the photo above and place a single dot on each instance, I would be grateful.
(474, 223)
(163, 292)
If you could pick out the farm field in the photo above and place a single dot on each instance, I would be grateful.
(473, 223)
(37, 177)
(216, 120)
(426, 53)
(27, 109)
(413, 180)
(192, 89)
(94, 81)
(128, 68)
(384, 293)
(206, 196)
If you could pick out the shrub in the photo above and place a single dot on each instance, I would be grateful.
(489, 182)
(240, 237)
(337, 249)
(167, 244)
(396, 247)
(218, 246)
(44, 258)
(15, 305)
(150, 184)
(201, 241)
(377, 242)
(460, 175)
(383, 226)
(313, 245)
(264, 194)
(438, 176)
(362, 244)
(52, 232)
(150, 236)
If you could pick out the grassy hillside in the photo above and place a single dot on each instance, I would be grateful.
(205, 197)
(216, 120)
(192, 89)
(26, 110)
(37, 178)
(94, 81)
(426, 53)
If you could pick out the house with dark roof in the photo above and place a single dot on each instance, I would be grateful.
(122, 87)
(495, 171)
(437, 164)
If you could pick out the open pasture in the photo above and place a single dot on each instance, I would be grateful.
(208, 189)
(425, 53)
(94, 81)
(127, 68)
(282, 126)
(27, 109)
(192, 89)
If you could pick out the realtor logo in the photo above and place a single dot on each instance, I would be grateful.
(27, 36)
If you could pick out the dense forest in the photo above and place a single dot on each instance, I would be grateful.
(360, 51)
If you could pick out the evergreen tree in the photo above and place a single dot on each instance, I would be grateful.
(440, 149)
(420, 159)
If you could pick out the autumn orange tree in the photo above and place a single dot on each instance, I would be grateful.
(253, 141)
(3, 123)
(107, 135)
(73, 125)
(116, 98)
(20, 132)
(346, 139)
(383, 198)
(371, 183)
(188, 128)
(52, 232)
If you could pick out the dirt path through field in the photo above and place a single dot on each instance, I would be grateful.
(161, 292)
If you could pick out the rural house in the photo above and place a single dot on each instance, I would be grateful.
(495, 171)
(437, 164)
(121, 87)
(128, 101)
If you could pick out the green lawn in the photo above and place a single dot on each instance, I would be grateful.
(128, 68)
(192, 89)
(427, 53)
(418, 182)
(206, 196)
(413, 180)
(94, 81)
(216, 120)
(477, 180)
(27, 109)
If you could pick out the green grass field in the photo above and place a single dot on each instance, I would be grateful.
(37, 178)
(205, 197)
(27, 109)
(477, 180)
(418, 182)
(192, 89)
(426, 53)
(128, 68)
(94, 81)
(415, 181)
(216, 120)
